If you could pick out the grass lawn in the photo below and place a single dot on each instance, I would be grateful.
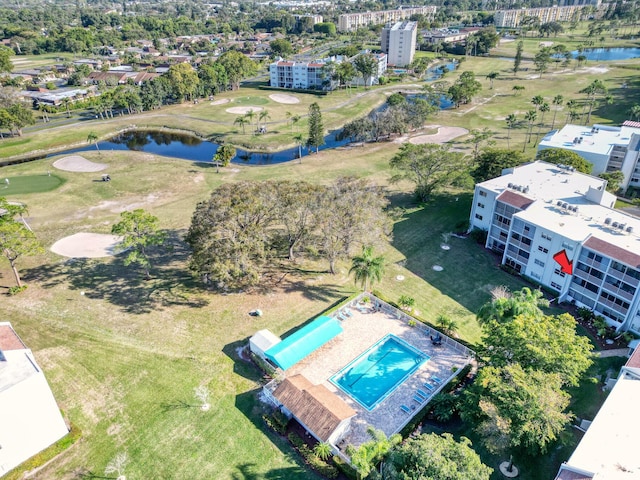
(124, 358)
(29, 184)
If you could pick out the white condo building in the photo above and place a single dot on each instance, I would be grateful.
(30, 419)
(399, 43)
(513, 18)
(535, 212)
(349, 22)
(608, 148)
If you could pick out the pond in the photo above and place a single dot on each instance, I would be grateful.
(436, 72)
(188, 147)
(609, 54)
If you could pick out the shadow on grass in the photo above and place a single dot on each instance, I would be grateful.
(125, 286)
(242, 365)
(468, 270)
(249, 405)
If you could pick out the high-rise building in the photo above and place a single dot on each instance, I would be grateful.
(399, 43)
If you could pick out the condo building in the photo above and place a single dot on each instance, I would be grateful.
(349, 22)
(399, 43)
(513, 18)
(608, 148)
(558, 227)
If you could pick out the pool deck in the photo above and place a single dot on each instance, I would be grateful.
(361, 331)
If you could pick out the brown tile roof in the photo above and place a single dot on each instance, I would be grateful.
(285, 64)
(104, 76)
(567, 473)
(319, 409)
(142, 77)
(9, 339)
(610, 250)
(634, 359)
(514, 199)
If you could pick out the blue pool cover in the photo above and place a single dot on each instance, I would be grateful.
(303, 342)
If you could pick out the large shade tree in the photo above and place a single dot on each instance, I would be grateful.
(492, 161)
(140, 232)
(435, 457)
(428, 166)
(565, 157)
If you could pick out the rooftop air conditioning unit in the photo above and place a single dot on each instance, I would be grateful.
(614, 224)
(607, 221)
(559, 203)
(629, 229)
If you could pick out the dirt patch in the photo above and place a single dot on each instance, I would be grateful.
(243, 110)
(76, 163)
(86, 245)
(445, 134)
(284, 98)
(222, 101)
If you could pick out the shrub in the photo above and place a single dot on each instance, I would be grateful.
(16, 289)
(585, 314)
(277, 422)
(479, 236)
(311, 458)
(345, 468)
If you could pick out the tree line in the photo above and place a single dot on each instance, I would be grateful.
(245, 230)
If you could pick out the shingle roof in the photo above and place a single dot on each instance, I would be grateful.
(610, 250)
(9, 339)
(515, 200)
(319, 409)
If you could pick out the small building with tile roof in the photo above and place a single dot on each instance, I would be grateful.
(30, 419)
(324, 414)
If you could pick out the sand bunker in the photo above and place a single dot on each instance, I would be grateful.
(243, 110)
(222, 101)
(76, 163)
(87, 245)
(284, 98)
(445, 134)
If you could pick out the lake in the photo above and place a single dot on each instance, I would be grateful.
(609, 54)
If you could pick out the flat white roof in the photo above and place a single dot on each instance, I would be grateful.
(609, 448)
(549, 185)
(598, 139)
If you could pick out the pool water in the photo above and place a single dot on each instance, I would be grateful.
(377, 372)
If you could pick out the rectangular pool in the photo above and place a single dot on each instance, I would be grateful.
(377, 372)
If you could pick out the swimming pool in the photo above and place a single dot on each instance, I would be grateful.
(377, 372)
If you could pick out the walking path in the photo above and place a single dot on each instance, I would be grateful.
(616, 352)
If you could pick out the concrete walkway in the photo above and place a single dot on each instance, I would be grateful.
(617, 352)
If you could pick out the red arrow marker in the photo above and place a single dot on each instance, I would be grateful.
(566, 265)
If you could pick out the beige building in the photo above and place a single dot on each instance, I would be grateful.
(352, 21)
(513, 18)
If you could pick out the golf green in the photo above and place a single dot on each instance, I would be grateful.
(28, 184)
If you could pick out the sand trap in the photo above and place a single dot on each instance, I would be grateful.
(284, 98)
(445, 134)
(243, 110)
(76, 163)
(86, 245)
(222, 101)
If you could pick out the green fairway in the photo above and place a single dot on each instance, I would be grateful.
(28, 184)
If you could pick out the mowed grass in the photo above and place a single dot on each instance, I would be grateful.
(28, 184)
(124, 355)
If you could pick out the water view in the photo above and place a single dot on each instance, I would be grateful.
(609, 54)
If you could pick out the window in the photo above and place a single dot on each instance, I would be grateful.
(542, 249)
(479, 217)
(545, 236)
(559, 272)
(540, 263)
(568, 246)
(593, 256)
(556, 286)
(483, 193)
(535, 275)
(481, 205)
(527, 228)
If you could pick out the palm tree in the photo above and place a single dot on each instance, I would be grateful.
(517, 89)
(512, 121)
(537, 101)
(242, 121)
(322, 450)
(264, 115)
(367, 268)
(300, 140)
(448, 325)
(544, 108)
(571, 114)
(294, 119)
(530, 117)
(634, 112)
(558, 100)
(93, 138)
(66, 101)
(250, 115)
(492, 76)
